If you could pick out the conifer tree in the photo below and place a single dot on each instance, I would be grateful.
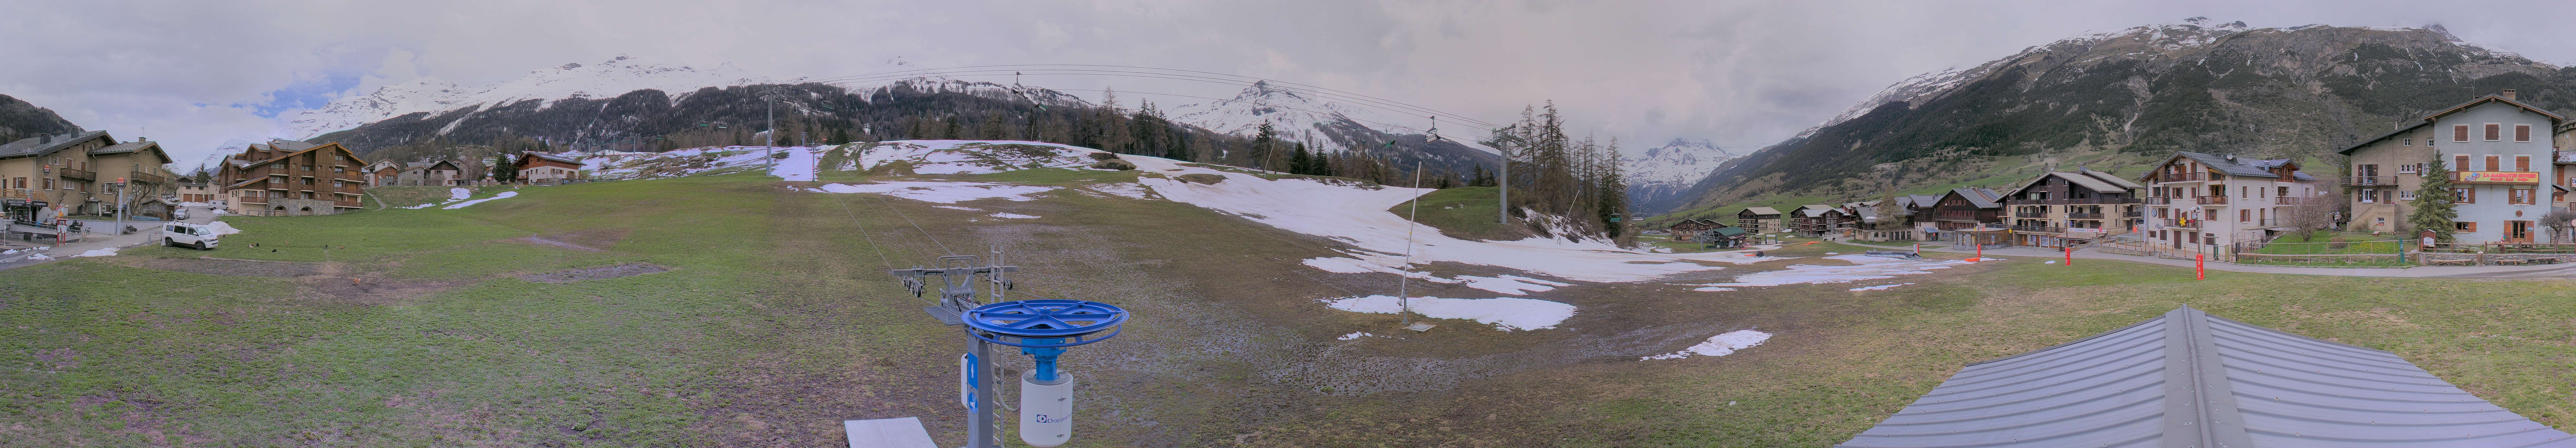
(1298, 161)
(2433, 202)
(1261, 143)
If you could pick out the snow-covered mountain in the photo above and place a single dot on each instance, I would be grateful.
(605, 79)
(1308, 116)
(1658, 174)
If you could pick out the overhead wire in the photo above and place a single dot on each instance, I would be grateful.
(1365, 100)
(1417, 109)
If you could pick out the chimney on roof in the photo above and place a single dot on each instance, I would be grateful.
(2231, 157)
(2507, 94)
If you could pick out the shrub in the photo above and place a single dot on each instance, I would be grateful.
(1115, 164)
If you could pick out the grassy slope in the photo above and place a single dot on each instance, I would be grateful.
(1463, 212)
(778, 322)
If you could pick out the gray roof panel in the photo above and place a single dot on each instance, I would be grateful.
(37, 146)
(2190, 379)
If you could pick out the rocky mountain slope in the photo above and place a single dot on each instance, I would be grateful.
(20, 119)
(609, 79)
(1661, 175)
(2192, 85)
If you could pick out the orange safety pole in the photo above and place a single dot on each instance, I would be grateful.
(2197, 272)
(1981, 251)
(2070, 255)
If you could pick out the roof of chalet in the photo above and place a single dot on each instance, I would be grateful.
(2242, 167)
(1813, 212)
(129, 147)
(1729, 231)
(1917, 200)
(1980, 197)
(37, 146)
(2114, 179)
(2077, 179)
(1866, 212)
(1761, 210)
(553, 157)
(2188, 378)
(2429, 119)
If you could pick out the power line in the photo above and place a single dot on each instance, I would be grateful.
(1293, 87)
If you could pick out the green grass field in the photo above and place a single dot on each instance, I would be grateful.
(777, 320)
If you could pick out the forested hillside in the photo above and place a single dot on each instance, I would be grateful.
(20, 119)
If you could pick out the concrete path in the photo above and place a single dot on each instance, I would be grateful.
(141, 235)
(2537, 271)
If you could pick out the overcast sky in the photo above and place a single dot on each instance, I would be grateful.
(1738, 73)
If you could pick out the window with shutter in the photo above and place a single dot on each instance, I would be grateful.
(2522, 163)
(2460, 162)
(2522, 133)
(2460, 133)
(2495, 132)
(2495, 163)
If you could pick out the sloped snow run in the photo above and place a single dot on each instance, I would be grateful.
(1720, 345)
(1867, 268)
(1356, 214)
(503, 195)
(1505, 313)
(798, 166)
(940, 192)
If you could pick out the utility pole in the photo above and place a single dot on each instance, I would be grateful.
(120, 207)
(1505, 184)
(771, 141)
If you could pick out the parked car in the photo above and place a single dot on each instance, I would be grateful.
(179, 214)
(187, 235)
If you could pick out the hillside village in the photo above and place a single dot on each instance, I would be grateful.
(630, 253)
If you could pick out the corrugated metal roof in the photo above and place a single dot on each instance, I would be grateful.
(2189, 379)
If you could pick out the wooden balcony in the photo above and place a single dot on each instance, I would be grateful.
(2211, 200)
(2370, 181)
(2286, 200)
(2038, 229)
(2184, 177)
(2083, 216)
(2029, 215)
(2157, 200)
(139, 176)
(2181, 223)
(68, 173)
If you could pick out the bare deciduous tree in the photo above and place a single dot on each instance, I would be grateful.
(2315, 214)
(2558, 221)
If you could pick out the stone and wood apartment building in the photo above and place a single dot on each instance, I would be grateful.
(543, 168)
(1967, 215)
(287, 177)
(2204, 204)
(1759, 220)
(2506, 164)
(82, 174)
(2061, 208)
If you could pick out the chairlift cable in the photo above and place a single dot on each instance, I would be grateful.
(1314, 89)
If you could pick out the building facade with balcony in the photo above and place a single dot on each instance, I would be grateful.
(2504, 164)
(1967, 215)
(80, 174)
(2060, 208)
(2206, 203)
(291, 178)
(1758, 220)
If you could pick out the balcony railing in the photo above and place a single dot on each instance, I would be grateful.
(2286, 200)
(2184, 177)
(2367, 181)
(2157, 200)
(69, 173)
(2566, 156)
(2029, 215)
(2083, 216)
(2038, 229)
(2075, 201)
(2272, 222)
(2133, 213)
(139, 176)
(2211, 200)
(2181, 223)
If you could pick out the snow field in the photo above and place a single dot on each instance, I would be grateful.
(1720, 345)
(1868, 268)
(1505, 313)
(939, 192)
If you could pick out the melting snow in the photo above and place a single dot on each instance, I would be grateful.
(105, 252)
(1510, 284)
(220, 228)
(1869, 268)
(459, 194)
(798, 166)
(505, 194)
(1356, 214)
(952, 207)
(38, 257)
(1720, 345)
(968, 156)
(940, 192)
(1713, 289)
(1122, 189)
(1354, 335)
(1506, 313)
(417, 207)
(1012, 215)
(1879, 287)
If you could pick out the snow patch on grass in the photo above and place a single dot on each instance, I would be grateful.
(221, 228)
(1879, 287)
(1355, 335)
(102, 252)
(1505, 313)
(940, 192)
(1122, 189)
(1012, 216)
(1510, 284)
(1720, 345)
(503, 195)
(1868, 268)
(1712, 289)
(459, 194)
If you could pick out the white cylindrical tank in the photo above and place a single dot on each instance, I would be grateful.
(1046, 410)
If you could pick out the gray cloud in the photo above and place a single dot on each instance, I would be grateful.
(1739, 73)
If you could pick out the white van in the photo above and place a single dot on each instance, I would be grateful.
(187, 235)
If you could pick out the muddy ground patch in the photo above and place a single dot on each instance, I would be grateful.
(602, 272)
(224, 267)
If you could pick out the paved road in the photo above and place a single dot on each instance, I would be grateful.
(2539, 271)
(141, 235)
